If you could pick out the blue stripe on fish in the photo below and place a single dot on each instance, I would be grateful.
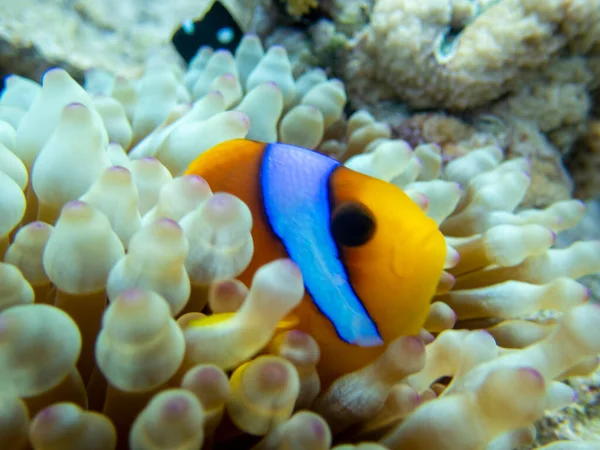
(295, 191)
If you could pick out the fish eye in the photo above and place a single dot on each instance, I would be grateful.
(352, 224)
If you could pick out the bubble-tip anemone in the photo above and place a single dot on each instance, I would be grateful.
(508, 322)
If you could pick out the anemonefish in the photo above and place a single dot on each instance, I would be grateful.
(371, 259)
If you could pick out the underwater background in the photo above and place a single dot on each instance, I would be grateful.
(142, 303)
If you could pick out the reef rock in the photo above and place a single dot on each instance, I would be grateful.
(584, 162)
(550, 181)
(576, 422)
(112, 35)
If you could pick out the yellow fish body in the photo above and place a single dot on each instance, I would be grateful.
(370, 258)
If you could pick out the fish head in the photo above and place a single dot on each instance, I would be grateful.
(393, 252)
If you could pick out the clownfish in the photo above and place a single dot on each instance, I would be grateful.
(370, 258)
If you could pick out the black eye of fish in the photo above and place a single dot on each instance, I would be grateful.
(352, 224)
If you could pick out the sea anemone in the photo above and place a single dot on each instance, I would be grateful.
(110, 252)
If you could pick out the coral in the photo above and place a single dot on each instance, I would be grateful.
(82, 35)
(328, 44)
(550, 181)
(300, 7)
(460, 55)
(425, 64)
(577, 421)
(583, 163)
(122, 323)
(328, 31)
(558, 102)
(349, 16)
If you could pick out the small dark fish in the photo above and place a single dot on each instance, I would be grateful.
(217, 29)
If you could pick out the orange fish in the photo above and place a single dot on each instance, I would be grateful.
(370, 258)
